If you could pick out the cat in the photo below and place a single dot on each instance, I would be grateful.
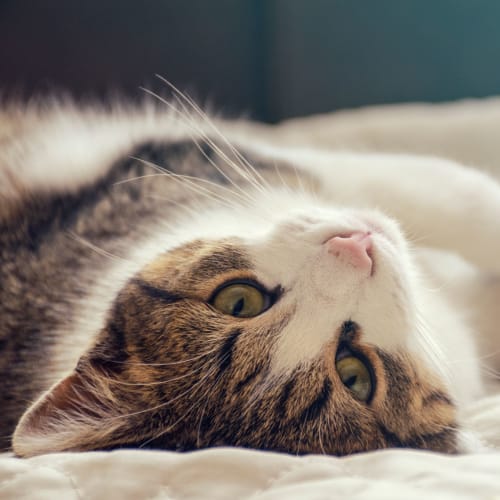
(170, 282)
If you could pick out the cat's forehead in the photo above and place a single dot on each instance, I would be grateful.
(206, 256)
(200, 265)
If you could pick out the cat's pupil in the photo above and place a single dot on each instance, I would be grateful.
(238, 307)
(350, 381)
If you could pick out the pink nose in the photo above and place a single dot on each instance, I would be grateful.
(354, 248)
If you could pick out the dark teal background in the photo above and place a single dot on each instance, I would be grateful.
(269, 58)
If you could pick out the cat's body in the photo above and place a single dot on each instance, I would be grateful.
(109, 263)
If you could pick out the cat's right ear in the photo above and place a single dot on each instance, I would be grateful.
(77, 413)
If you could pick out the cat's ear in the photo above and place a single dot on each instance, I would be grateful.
(75, 414)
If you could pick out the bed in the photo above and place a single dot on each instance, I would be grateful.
(466, 131)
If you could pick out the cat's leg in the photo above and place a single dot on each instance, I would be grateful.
(437, 202)
(464, 131)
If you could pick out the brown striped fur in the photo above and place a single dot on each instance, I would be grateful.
(169, 371)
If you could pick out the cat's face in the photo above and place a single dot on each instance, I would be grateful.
(297, 334)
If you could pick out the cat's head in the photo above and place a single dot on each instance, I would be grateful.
(292, 331)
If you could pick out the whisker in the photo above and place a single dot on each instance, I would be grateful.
(171, 363)
(170, 401)
(299, 178)
(139, 177)
(198, 433)
(195, 404)
(432, 349)
(284, 184)
(477, 358)
(193, 125)
(172, 426)
(186, 181)
(245, 193)
(207, 399)
(159, 382)
(179, 95)
(490, 371)
(320, 437)
(168, 173)
(302, 427)
(188, 121)
(95, 248)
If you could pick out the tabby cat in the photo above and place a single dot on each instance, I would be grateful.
(169, 282)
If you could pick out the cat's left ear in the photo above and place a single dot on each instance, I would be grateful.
(80, 412)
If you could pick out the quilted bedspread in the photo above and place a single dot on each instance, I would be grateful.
(467, 132)
(225, 473)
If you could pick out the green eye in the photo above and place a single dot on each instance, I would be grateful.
(355, 376)
(240, 300)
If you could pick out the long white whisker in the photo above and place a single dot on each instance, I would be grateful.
(188, 182)
(95, 248)
(477, 358)
(139, 177)
(203, 115)
(165, 171)
(192, 390)
(207, 399)
(320, 437)
(171, 363)
(245, 193)
(432, 349)
(284, 184)
(166, 403)
(241, 169)
(193, 125)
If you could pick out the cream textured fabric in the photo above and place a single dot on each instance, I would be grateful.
(226, 473)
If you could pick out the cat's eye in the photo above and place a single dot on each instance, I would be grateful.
(242, 300)
(356, 376)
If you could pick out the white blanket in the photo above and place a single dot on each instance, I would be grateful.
(463, 131)
(225, 473)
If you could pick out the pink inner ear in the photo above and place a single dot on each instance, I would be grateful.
(70, 408)
(69, 396)
(73, 395)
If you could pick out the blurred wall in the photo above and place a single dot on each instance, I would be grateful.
(270, 59)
